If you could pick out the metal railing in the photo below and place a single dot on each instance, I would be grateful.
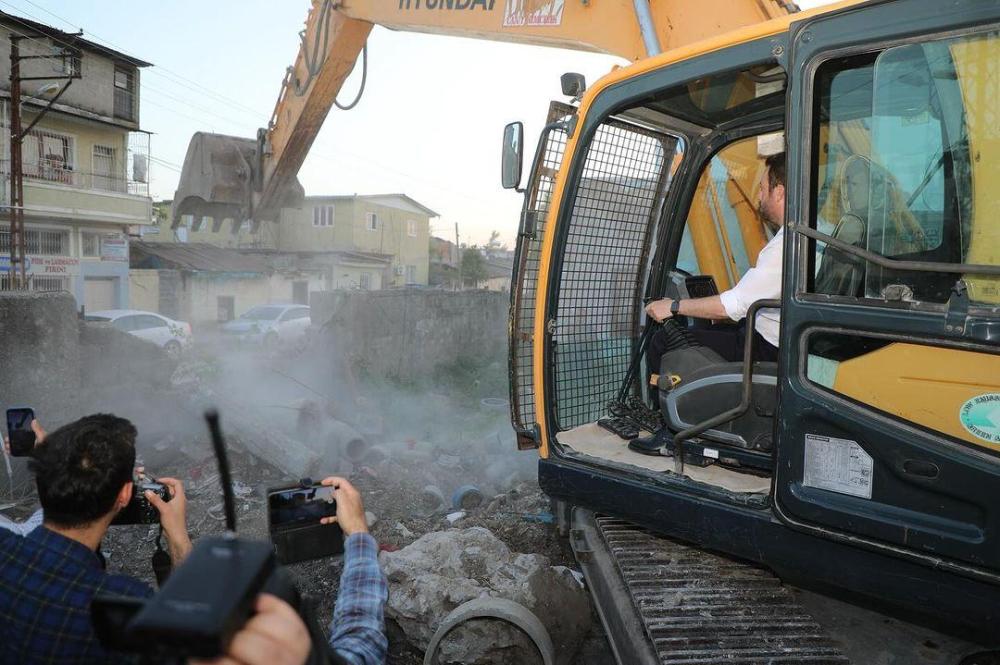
(56, 172)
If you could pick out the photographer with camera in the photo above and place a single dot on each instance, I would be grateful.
(276, 635)
(84, 476)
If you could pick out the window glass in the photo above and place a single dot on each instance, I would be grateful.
(146, 322)
(724, 234)
(125, 323)
(91, 244)
(908, 143)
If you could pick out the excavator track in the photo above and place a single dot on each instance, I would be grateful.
(695, 608)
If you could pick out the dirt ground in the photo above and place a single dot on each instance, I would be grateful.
(451, 432)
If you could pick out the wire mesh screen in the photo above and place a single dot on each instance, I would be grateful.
(618, 198)
(525, 277)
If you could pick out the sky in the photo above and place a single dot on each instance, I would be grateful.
(429, 124)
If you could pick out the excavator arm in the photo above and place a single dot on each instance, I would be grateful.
(237, 179)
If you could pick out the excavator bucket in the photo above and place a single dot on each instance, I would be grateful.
(218, 181)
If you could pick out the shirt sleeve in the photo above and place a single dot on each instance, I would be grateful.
(761, 282)
(357, 632)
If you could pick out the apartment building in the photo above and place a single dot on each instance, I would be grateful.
(355, 242)
(85, 163)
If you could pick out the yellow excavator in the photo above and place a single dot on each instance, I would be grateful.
(865, 461)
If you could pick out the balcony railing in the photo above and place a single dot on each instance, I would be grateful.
(56, 172)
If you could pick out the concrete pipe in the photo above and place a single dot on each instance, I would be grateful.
(495, 608)
(346, 440)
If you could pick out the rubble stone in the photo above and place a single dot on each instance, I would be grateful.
(442, 570)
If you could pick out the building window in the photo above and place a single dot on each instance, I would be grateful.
(371, 221)
(323, 216)
(48, 156)
(105, 170)
(46, 242)
(365, 281)
(411, 274)
(90, 247)
(42, 242)
(124, 93)
(411, 228)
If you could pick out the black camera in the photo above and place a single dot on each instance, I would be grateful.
(139, 510)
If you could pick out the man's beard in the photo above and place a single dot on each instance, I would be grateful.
(765, 217)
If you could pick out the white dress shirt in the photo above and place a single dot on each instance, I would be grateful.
(762, 282)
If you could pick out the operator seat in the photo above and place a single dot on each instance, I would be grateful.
(841, 273)
(696, 384)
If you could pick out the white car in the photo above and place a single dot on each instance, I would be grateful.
(271, 325)
(171, 336)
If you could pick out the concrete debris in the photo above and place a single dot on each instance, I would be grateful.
(440, 571)
(456, 516)
(370, 518)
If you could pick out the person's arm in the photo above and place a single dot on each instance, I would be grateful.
(709, 307)
(357, 632)
(173, 518)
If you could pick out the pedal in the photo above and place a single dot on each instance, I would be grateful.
(619, 426)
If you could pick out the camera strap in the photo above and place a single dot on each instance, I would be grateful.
(161, 560)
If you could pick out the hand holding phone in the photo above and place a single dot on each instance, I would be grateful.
(20, 433)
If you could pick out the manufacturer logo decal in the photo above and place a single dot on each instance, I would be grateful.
(533, 12)
(981, 417)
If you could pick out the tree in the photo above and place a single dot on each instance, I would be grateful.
(473, 267)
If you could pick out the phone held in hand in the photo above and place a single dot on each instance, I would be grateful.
(293, 515)
(19, 432)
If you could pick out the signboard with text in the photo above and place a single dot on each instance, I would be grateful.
(114, 248)
(45, 265)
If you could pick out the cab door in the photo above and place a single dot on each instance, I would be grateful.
(889, 422)
(524, 280)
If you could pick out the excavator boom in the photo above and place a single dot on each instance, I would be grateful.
(238, 179)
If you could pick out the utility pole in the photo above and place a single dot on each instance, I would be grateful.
(458, 253)
(18, 272)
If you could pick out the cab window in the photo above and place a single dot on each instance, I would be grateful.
(906, 168)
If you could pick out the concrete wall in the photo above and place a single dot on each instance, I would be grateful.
(409, 334)
(144, 290)
(40, 354)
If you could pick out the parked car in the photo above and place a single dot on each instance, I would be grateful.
(270, 325)
(172, 336)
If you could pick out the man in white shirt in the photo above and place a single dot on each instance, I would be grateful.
(762, 282)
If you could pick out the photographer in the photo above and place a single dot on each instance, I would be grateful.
(276, 635)
(48, 577)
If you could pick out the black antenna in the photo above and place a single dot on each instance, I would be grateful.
(212, 417)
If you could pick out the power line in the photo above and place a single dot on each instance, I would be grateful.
(157, 70)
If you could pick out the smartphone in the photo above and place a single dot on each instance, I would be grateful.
(300, 506)
(293, 515)
(19, 432)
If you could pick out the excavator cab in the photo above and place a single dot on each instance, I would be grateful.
(865, 461)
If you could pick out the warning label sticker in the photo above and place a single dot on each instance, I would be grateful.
(837, 465)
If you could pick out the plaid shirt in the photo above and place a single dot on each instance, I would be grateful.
(46, 584)
(357, 632)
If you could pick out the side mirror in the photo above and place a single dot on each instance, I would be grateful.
(513, 155)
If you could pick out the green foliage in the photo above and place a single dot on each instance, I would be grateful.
(473, 267)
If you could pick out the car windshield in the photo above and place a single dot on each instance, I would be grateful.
(91, 317)
(262, 314)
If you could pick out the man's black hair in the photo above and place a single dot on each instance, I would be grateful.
(775, 170)
(81, 467)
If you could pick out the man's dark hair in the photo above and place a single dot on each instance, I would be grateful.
(775, 170)
(81, 467)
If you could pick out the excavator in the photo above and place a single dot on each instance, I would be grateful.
(865, 462)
